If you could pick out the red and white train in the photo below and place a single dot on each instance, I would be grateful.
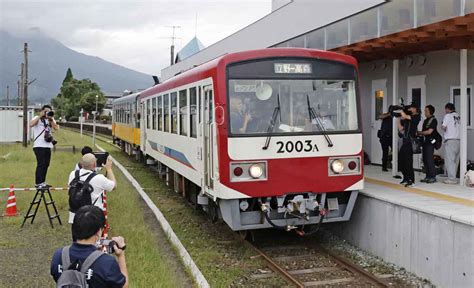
(264, 138)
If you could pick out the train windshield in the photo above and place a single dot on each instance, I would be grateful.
(255, 103)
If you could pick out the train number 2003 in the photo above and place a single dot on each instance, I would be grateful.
(298, 146)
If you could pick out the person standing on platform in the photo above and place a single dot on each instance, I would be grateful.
(385, 136)
(407, 127)
(429, 131)
(452, 131)
(43, 142)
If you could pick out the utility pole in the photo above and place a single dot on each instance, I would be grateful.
(173, 37)
(8, 95)
(25, 97)
(18, 92)
(21, 82)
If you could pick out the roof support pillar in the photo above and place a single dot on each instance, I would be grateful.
(464, 115)
(396, 70)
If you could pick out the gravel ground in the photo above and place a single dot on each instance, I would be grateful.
(371, 263)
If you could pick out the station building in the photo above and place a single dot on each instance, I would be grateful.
(418, 50)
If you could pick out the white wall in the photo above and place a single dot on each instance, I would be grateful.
(279, 3)
(442, 71)
(298, 17)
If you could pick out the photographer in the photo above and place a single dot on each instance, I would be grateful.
(385, 136)
(43, 142)
(99, 182)
(429, 131)
(106, 270)
(407, 127)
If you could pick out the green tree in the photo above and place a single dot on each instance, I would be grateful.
(76, 94)
(69, 76)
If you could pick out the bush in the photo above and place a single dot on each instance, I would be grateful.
(73, 119)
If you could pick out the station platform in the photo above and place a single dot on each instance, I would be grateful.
(427, 230)
(449, 201)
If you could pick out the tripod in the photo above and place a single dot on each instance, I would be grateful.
(40, 195)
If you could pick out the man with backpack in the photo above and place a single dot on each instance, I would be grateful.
(82, 264)
(86, 187)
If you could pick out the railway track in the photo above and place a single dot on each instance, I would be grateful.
(310, 265)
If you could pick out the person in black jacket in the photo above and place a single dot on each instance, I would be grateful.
(429, 131)
(385, 136)
(408, 127)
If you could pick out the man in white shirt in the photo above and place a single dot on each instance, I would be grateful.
(42, 126)
(100, 183)
(451, 127)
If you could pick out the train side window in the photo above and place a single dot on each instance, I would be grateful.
(211, 107)
(193, 114)
(199, 105)
(160, 113)
(166, 105)
(154, 113)
(183, 112)
(148, 112)
(174, 119)
(128, 113)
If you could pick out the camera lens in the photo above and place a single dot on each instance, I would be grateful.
(50, 113)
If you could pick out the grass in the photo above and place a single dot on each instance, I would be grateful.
(224, 261)
(25, 254)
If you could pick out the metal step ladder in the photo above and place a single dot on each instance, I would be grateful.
(40, 196)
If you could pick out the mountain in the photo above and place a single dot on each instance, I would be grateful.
(48, 63)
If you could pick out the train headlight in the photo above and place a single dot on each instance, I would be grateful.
(337, 166)
(256, 171)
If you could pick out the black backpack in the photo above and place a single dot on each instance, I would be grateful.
(80, 191)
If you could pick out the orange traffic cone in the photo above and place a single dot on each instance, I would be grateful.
(11, 204)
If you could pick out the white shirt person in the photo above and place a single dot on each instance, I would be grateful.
(100, 183)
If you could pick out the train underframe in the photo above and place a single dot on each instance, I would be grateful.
(293, 211)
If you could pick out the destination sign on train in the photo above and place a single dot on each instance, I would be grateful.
(292, 68)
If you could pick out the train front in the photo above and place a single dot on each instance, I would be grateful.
(291, 151)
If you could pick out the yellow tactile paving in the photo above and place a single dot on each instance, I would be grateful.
(439, 196)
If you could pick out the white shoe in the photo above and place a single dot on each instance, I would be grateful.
(449, 181)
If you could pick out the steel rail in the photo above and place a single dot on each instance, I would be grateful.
(277, 268)
(352, 267)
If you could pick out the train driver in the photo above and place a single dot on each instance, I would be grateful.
(239, 118)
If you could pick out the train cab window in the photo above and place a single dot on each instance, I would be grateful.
(153, 113)
(160, 113)
(193, 114)
(148, 112)
(183, 112)
(174, 107)
(166, 119)
(254, 102)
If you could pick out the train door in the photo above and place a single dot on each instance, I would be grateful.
(142, 127)
(379, 106)
(208, 137)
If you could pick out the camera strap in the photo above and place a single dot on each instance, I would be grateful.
(45, 127)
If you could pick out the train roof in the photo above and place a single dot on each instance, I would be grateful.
(126, 99)
(197, 72)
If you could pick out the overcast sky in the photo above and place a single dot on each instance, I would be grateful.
(131, 33)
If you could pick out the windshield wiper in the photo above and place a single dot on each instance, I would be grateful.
(276, 112)
(319, 123)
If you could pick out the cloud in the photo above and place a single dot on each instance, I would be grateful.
(131, 33)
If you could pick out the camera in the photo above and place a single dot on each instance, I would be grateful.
(108, 245)
(50, 113)
(48, 137)
(396, 110)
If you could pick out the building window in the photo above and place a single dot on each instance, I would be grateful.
(456, 100)
(154, 113)
(166, 105)
(174, 107)
(183, 112)
(379, 95)
(160, 113)
(193, 112)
